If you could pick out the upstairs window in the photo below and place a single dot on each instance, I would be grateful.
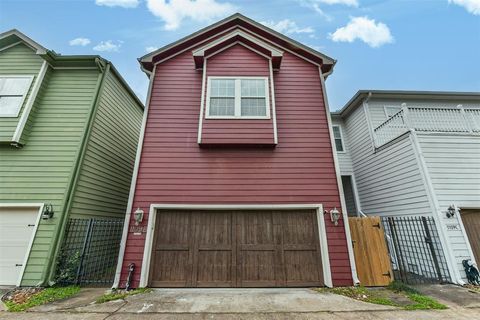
(13, 90)
(239, 97)
(337, 135)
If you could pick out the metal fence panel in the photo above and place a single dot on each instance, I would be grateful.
(415, 249)
(89, 252)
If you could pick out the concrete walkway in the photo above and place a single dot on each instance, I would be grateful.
(232, 304)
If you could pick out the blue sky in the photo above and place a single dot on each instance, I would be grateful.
(379, 44)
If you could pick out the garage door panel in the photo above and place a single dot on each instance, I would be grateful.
(258, 267)
(301, 267)
(214, 269)
(17, 226)
(471, 221)
(171, 268)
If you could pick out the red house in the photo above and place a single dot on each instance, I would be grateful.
(236, 178)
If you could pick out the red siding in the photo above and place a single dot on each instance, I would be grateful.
(237, 61)
(173, 169)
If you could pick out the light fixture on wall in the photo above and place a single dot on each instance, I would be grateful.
(452, 210)
(138, 216)
(334, 216)
(47, 212)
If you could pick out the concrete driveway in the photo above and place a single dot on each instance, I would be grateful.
(228, 304)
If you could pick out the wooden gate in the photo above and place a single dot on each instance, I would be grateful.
(471, 221)
(371, 253)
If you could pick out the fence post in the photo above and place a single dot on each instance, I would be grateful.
(86, 241)
(429, 241)
(398, 250)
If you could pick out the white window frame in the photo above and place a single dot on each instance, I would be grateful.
(386, 107)
(238, 98)
(341, 138)
(22, 102)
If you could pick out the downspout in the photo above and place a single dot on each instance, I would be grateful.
(59, 234)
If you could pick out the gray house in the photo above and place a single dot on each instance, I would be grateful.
(411, 153)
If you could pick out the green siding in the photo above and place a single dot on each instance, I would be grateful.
(42, 170)
(104, 182)
(17, 60)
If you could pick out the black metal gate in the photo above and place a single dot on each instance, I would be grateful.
(89, 252)
(415, 250)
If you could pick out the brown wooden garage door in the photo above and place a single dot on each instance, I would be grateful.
(236, 249)
(471, 221)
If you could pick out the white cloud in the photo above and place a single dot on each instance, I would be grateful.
(108, 46)
(150, 49)
(79, 42)
(352, 3)
(174, 12)
(472, 6)
(287, 26)
(365, 29)
(118, 3)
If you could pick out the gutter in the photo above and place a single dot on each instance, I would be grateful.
(60, 230)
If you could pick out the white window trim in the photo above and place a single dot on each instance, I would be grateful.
(386, 107)
(341, 138)
(22, 102)
(238, 98)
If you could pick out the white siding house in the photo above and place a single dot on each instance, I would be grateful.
(417, 153)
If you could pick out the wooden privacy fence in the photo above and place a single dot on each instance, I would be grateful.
(371, 252)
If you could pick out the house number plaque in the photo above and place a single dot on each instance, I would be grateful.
(138, 230)
(453, 227)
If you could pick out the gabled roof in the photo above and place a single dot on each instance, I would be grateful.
(13, 37)
(236, 20)
(404, 94)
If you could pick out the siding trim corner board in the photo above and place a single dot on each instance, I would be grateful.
(145, 271)
(133, 183)
(339, 182)
(30, 243)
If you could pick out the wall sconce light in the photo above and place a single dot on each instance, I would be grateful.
(452, 210)
(47, 212)
(334, 216)
(138, 216)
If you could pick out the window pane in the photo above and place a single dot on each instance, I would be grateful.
(339, 144)
(336, 132)
(254, 107)
(14, 86)
(253, 88)
(222, 88)
(222, 107)
(10, 106)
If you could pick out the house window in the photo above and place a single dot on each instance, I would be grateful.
(240, 97)
(337, 135)
(390, 111)
(13, 90)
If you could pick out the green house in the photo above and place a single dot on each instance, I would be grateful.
(69, 129)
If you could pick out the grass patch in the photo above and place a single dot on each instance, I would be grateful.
(45, 296)
(116, 294)
(396, 294)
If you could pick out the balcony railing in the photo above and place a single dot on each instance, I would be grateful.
(427, 119)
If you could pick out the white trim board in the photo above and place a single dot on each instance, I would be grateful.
(34, 233)
(29, 105)
(327, 275)
(339, 183)
(133, 183)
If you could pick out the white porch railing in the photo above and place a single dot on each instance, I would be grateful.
(427, 119)
(394, 127)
